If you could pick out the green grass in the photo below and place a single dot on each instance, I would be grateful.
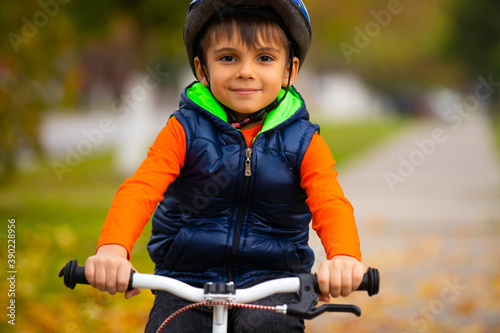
(58, 221)
(348, 140)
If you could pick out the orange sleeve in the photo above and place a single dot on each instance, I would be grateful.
(137, 198)
(333, 216)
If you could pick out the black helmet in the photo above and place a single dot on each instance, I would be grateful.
(292, 13)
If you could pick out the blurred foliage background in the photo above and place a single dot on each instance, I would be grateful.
(54, 53)
(56, 56)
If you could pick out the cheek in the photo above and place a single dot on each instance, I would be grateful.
(279, 78)
(219, 75)
(218, 85)
(217, 91)
(278, 82)
(276, 90)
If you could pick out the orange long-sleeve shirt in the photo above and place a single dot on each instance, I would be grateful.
(138, 196)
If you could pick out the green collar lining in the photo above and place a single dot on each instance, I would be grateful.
(200, 95)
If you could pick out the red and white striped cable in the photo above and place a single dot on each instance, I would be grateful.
(194, 305)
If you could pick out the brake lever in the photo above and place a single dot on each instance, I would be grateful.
(306, 308)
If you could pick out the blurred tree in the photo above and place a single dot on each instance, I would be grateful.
(474, 41)
(158, 25)
(23, 73)
(393, 45)
(56, 50)
(475, 36)
(46, 41)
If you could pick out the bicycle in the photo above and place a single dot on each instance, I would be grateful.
(221, 296)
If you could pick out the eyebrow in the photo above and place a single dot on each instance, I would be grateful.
(260, 49)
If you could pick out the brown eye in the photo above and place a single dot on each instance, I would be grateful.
(266, 58)
(227, 58)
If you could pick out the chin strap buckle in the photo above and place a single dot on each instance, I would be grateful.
(242, 123)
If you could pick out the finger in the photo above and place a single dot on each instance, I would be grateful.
(133, 292)
(357, 276)
(90, 271)
(324, 280)
(105, 278)
(324, 298)
(346, 282)
(111, 280)
(335, 282)
(123, 278)
(100, 278)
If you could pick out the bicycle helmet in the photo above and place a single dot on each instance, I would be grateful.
(292, 13)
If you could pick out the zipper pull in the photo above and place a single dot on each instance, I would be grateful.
(248, 167)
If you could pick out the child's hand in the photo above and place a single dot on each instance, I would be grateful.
(339, 276)
(109, 270)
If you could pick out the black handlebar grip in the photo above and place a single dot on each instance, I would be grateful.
(74, 274)
(371, 282)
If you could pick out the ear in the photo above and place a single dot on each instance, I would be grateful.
(295, 71)
(199, 72)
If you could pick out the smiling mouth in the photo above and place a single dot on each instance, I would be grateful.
(245, 91)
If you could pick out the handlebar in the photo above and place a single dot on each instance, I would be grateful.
(306, 284)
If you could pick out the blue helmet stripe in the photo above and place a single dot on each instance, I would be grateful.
(303, 9)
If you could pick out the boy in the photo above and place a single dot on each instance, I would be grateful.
(236, 174)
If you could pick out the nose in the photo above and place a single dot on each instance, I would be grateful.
(246, 70)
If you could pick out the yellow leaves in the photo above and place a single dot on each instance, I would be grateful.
(429, 283)
(428, 290)
(496, 283)
(37, 317)
(475, 328)
(82, 310)
(64, 237)
(466, 307)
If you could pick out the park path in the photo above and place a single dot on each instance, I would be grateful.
(433, 232)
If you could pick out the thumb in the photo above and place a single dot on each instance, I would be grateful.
(324, 282)
(133, 292)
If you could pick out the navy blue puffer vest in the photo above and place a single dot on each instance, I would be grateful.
(235, 214)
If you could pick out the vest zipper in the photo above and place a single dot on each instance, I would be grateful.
(248, 163)
(241, 211)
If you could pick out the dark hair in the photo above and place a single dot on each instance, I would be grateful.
(250, 28)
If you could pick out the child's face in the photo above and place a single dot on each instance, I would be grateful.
(246, 79)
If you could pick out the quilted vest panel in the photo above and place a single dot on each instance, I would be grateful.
(217, 224)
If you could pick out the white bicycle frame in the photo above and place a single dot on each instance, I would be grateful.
(220, 313)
